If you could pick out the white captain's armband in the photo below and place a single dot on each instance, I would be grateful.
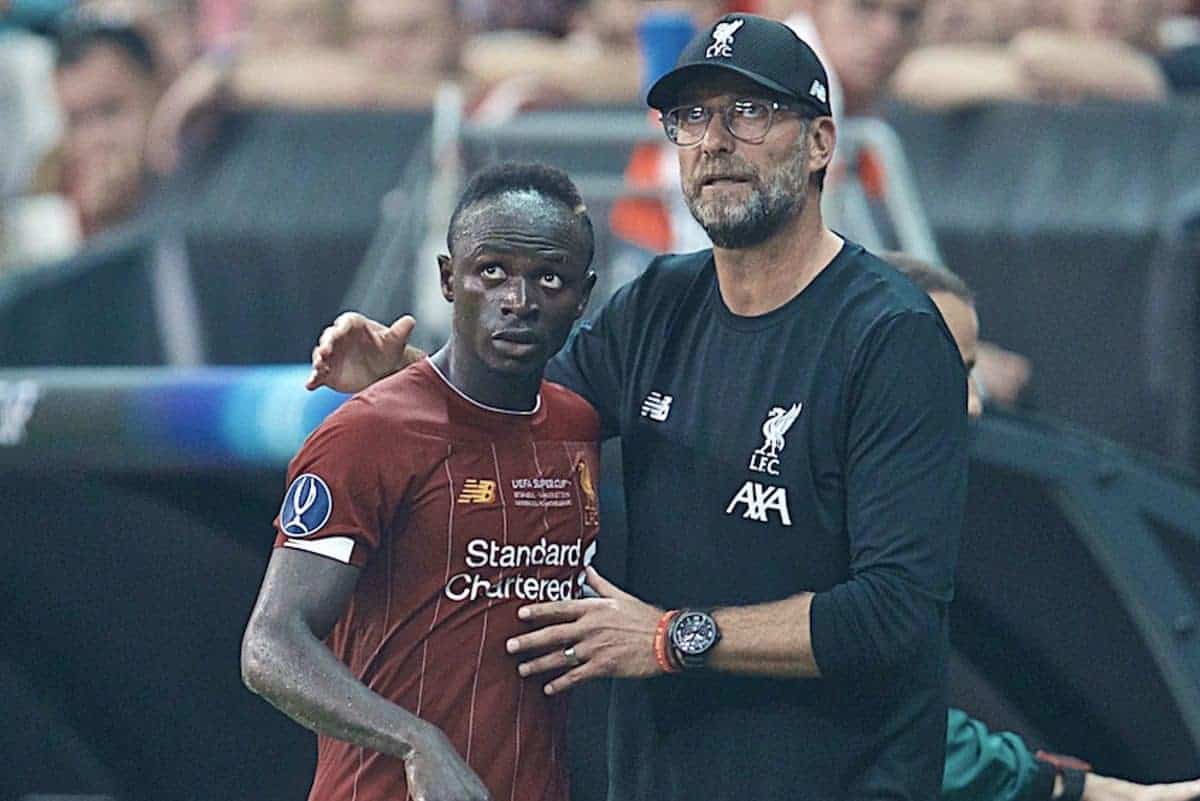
(339, 548)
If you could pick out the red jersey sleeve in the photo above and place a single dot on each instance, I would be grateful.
(339, 499)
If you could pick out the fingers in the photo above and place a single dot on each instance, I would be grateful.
(403, 327)
(574, 672)
(544, 639)
(556, 611)
(572, 678)
(556, 661)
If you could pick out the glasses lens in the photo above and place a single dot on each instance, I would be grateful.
(749, 119)
(686, 125)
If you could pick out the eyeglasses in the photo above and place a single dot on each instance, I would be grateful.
(747, 120)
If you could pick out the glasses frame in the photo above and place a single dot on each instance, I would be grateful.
(773, 107)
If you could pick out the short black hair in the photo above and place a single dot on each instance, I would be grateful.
(510, 176)
(78, 34)
(928, 276)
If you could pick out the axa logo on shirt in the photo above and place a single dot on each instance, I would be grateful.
(760, 501)
(657, 406)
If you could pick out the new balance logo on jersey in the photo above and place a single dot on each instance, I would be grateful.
(760, 500)
(478, 490)
(657, 406)
(818, 91)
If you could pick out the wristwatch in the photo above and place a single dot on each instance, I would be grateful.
(693, 635)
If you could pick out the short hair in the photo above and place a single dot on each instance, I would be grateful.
(928, 276)
(78, 35)
(549, 182)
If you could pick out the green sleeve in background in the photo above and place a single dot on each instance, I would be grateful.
(982, 766)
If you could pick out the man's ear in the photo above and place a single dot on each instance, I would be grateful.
(446, 276)
(589, 283)
(822, 138)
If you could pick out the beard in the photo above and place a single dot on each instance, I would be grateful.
(741, 224)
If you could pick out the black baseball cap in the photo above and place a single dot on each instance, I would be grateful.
(764, 50)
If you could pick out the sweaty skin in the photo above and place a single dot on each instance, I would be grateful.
(518, 284)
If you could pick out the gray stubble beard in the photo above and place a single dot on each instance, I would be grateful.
(756, 220)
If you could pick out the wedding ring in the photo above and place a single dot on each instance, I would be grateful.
(572, 658)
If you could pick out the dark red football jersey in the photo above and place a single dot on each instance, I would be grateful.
(458, 514)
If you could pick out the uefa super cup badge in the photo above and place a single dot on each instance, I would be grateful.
(722, 46)
(306, 507)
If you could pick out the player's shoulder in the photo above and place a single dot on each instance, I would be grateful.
(672, 272)
(875, 292)
(886, 285)
(388, 405)
(402, 395)
(569, 413)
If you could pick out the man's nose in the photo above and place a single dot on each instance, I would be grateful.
(518, 299)
(717, 138)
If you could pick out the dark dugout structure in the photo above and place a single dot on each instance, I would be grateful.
(137, 535)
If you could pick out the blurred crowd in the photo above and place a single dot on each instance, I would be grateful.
(99, 99)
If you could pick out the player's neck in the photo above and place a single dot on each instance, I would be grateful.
(507, 392)
(759, 279)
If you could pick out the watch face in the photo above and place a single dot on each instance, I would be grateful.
(694, 633)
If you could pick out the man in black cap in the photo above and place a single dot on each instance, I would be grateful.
(793, 425)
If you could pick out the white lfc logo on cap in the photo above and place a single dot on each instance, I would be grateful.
(722, 35)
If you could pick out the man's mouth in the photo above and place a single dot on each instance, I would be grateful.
(517, 342)
(723, 180)
(520, 336)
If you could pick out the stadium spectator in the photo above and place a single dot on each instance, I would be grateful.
(291, 25)
(959, 21)
(107, 84)
(597, 61)
(862, 42)
(549, 17)
(172, 27)
(381, 54)
(35, 225)
(1097, 49)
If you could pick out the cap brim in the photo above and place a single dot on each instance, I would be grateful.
(666, 89)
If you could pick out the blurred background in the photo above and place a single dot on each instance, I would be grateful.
(191, 189)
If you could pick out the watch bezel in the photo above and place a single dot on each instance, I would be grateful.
(691, 659)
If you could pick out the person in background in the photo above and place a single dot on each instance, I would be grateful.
(862, 42)
(1095, 49)
(106, 81)
(314, 54)
(35, 224)
(171, 26)
(982, 765)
